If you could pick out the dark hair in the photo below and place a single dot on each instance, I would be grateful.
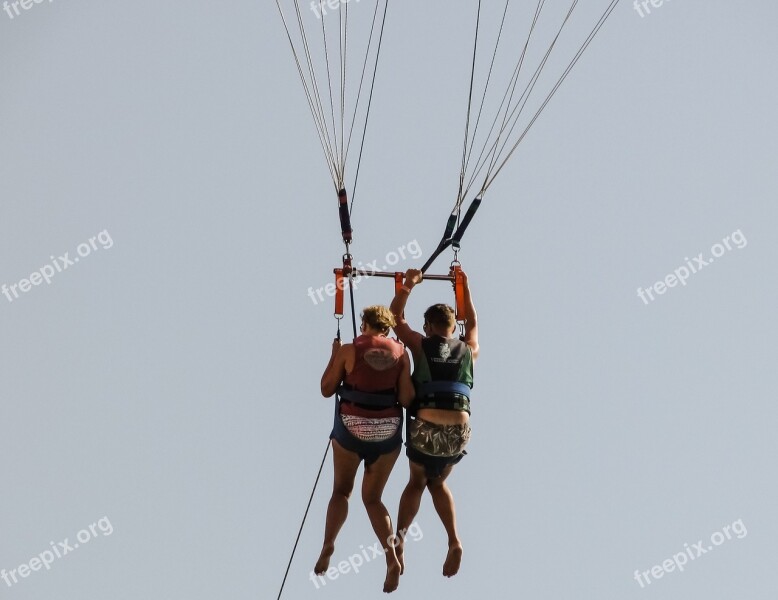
(440, 315)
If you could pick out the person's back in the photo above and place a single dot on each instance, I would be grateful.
(371, 378)
(377, 367)
(438, 420)
(437, 360)
(377, 363)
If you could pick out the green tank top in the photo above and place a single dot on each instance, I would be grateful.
(443, 359)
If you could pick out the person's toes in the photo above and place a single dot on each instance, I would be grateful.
(453, 560)
(392, 577)
(324, 559)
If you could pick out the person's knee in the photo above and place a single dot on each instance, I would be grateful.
(439, 481)
(343, 490)
(417, 483)
(435, 483)
(371, 499)
(418, 478)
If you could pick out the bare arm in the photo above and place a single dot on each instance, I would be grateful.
(471, 323)
(336, 368)
(405, 390)
(407, 336)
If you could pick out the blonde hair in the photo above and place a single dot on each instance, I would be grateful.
(379, 317)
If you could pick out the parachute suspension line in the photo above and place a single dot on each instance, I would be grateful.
(343, 20)
(370, 100)
(325, 107)
(362, 80)
(524, 98)
(341, 147)
(512, 115)
(337, 164)
(469, 108)
(302, 524)
(452, 236)
(362, 77)
(331, 151)
(497, 148)
(507, 96)
(311, 88)
(483, 100)
(559, 82)
(456, 225)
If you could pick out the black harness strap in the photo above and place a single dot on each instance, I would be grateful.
(345, 217)
(368, 398)
(453, 240)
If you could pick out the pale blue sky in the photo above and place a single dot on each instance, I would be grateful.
(170, 382)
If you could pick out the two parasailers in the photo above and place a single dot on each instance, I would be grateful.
(373, 380)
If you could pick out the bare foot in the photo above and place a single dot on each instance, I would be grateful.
(324, 559)
(453, 560)
(399, 551)
(393, 572)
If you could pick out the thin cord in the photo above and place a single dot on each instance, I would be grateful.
(362, 78)
(338, 164)
(311, 92)
(507, 100)
(569, 68)
(307, 508)
(369, 104)
(469, 107)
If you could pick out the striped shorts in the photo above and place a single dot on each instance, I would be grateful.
(369, 429)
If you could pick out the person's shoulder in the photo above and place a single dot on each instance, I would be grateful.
(408, 336)
(394, 344)
(468, 346)
(346, 349)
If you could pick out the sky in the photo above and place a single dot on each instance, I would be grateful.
(167, 210)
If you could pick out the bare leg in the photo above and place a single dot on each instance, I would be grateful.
(373, 483)
(346, 464)
(409, 507)
(444, 505)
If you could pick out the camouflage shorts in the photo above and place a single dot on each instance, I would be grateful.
(438, 440)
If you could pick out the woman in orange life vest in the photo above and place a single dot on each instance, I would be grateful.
(372, 378)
